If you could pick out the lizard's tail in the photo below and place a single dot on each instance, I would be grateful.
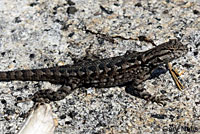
(24, 75)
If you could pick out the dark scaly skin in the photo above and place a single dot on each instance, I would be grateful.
(128, 70)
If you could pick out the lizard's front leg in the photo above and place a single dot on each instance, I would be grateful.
(141, 92)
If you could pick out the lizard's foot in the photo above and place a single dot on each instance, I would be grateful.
(161, 100)
(143, 94)
(49, 95)
(42, 96)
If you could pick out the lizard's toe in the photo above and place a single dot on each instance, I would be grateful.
(160, 99)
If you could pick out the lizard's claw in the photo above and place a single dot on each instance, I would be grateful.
(161, 100)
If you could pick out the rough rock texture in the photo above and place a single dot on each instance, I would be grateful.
(43, 33)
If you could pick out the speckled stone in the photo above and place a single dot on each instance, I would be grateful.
(45, 33)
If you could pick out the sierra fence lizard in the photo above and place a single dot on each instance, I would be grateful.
(128, 70)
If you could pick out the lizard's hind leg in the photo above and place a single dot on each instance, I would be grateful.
(49, 95)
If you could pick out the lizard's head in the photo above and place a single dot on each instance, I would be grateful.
(177, 48)
(171, 50)
(165, 52)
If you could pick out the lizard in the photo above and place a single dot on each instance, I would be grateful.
(129, 70)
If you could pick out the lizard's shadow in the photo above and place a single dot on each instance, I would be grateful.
(158, 71)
